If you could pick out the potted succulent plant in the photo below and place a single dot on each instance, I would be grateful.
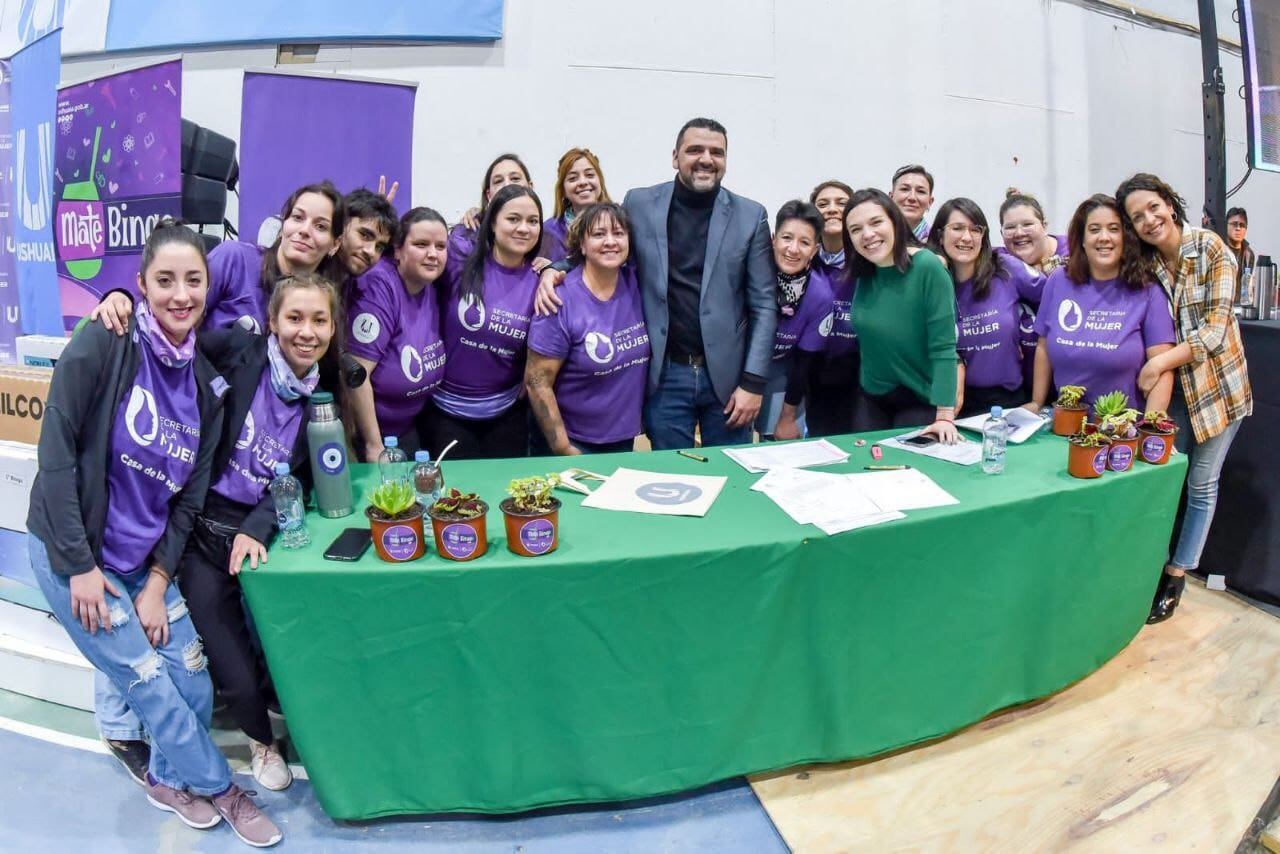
(395, 519)
(1068, 410)
(532, 515)
(1087, 453)
(1117, 420)
(458, 522)
(1157, 432)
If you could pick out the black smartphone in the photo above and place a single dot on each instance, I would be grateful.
(921, 441)
(350, 545)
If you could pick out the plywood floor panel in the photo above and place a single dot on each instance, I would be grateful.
(1172, 746)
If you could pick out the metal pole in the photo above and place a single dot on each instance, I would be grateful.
(1215, 143)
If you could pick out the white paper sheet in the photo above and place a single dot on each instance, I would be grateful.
(907, 489)
(832, 502)
(771, 455)
(656, 492)
(1022, 424)
(962, 453)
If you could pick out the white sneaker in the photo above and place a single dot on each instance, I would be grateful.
(269, 767)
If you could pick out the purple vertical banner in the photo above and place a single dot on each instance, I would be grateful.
(119, 171)
(10, 314)
(298, 129)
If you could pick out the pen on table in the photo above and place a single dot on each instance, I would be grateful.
(885, 468)
(700, 459)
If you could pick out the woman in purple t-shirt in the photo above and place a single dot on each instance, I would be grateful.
(579, 185)
(989, 288)
(833, 374)
(395, 334)
(1099, 319)
(1026, 233)
(140, 413)
(588, 362)
(486, 305)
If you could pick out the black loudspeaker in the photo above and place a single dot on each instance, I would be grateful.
(204, 200)
(210, 241)
(213, 156)
(189, 129)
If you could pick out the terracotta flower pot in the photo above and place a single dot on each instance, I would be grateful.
(400, 539)
(1155, 447)
(1067, 420)
(460, 539)
(531, 534)
(1120, 455)
(1086, 462)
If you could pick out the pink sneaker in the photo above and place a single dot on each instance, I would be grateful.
(246, 819)
(194, 810)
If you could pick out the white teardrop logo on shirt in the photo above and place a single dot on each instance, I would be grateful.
(411, 364)
(824, 328)
(246, 435)
(599, 347)
(470, 305)
(248, 321)
(1069, 315)
(1026, 318)
(365, 328)
(141, 402)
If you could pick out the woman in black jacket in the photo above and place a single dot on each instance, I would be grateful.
(126, 448)
(270, 380)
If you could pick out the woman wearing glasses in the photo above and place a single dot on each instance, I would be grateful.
(989, 288)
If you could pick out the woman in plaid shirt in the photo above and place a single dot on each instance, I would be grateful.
(1198, 272)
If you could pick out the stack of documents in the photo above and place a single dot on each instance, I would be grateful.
(788, 455)
(842, 502)
(1023, 424)
(963, 453)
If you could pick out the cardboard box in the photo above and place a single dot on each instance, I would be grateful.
(40, 351)
(23, 392)
(17, 472)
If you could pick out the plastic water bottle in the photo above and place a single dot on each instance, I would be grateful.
(392, 462)
(286, 492)
(995, 433)
(427, 478)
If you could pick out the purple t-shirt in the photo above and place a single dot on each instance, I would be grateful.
(1098, 333)
(154, 441)
(810, 324)
(235, 287)
(400, 334)
(843, 338)
(485, 340)
(1027, 309)
(605, 349)
(988, 330)
(462, 242)
(555, 239)
(267, 437)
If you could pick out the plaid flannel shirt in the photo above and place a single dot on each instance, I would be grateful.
(1216, 380)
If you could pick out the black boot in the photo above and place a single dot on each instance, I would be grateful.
(1168, 594)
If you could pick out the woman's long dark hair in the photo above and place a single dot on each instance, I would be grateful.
(472, 282)
(330, 267)
(1151, 183)
(1135, 270)
(858, 267)
(989, 264)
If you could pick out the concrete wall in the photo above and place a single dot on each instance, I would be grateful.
(1047, 95)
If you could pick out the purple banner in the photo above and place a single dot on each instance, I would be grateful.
(10, 314)
(119, 170)
(297, 130)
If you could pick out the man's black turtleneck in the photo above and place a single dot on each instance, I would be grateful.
(687, 224)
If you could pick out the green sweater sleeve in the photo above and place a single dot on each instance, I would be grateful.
(940, 329)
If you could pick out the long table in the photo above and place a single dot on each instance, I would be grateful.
(653, 654)
(1244, 541)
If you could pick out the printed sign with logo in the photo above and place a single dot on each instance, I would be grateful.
(460, 540)
(1153, 448)
(538, 536)
(1120, 457)
(400, 542)
(333, 458)
(118, 171)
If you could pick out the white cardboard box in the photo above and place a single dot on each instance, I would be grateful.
(40, 351)
(17, 473)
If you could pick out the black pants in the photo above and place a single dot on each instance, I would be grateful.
(833, 392)
(218, 611)
(978, 400)
(507, 435)
(898, 408)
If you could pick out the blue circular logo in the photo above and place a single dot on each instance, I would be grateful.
(333, 458)
(668, 493)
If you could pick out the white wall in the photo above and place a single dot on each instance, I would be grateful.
(1049, 96)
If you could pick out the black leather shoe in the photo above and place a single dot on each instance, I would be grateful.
(1168, 594)
(135, 756)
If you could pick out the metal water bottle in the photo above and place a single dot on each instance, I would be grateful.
(327, 442)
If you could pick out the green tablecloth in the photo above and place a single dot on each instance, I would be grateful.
(651, 654)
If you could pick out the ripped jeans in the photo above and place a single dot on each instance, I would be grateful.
(167, 687)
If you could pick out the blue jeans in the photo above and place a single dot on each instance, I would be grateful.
(685, 400)
(1203, 468)
(167, 687)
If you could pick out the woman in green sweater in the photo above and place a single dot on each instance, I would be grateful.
(905, 312)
